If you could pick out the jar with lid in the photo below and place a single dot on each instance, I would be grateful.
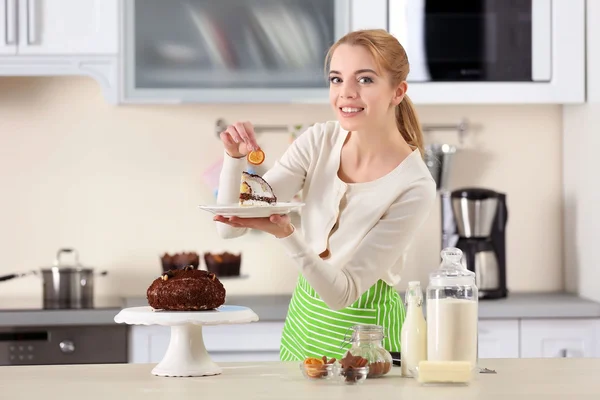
(452, 311)
(367, 342)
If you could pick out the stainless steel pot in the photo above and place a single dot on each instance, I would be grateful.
(65, 285)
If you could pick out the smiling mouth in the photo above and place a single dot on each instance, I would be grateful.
(350, 110)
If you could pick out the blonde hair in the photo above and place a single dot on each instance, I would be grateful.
(389, 55)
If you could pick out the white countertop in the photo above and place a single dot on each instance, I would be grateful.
(528, 379)
(29, 312)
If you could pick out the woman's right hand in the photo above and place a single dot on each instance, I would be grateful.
(239, 139)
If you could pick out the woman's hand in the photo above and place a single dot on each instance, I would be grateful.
(277, 225)
(239, 139)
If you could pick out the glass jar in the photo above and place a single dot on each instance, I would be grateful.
(452, 311)
(367, 342)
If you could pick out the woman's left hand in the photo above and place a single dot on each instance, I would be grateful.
(277, 225)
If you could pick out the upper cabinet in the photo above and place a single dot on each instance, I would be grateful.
(59, 27)
(273, 51)
(61, 37)
(229, 50)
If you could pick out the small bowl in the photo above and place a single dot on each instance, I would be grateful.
(353, 376)
(319, 371)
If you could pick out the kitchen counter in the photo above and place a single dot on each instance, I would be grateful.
(517, 305)
(30, 312)
(274, 308)
(526, 379)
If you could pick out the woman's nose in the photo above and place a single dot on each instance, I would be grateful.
(348, 91)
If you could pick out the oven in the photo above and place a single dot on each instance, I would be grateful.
(47, 345)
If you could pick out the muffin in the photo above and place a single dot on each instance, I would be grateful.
(223, 264)
(187, 289)
(179, 261)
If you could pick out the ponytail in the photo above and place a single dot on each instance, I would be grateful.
(408, 124)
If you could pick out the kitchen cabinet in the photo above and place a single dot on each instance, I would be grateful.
(236, 343)
(256, 51)
(549, 338)
(61, 37)
(498, 338)
(59, 27)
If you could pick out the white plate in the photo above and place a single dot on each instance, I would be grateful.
(235, 210)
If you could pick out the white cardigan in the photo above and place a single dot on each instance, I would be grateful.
(377, 219)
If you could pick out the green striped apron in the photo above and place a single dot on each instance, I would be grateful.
(312, 329)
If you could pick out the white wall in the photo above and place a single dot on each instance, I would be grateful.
(122, 185)
(581, 174)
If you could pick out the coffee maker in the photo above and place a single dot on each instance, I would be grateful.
(474, 220)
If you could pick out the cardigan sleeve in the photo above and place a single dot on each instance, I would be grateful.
(341, 285)
(286, 177)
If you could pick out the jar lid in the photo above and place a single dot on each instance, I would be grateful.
(452, 272)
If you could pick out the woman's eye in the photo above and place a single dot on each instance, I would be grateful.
(334, 79)
(365, 79)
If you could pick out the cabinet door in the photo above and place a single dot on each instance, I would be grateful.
(498, 339)
(229, 50)
(148, 344)
(8, 27)
(225, 343)
(560, 338)
(68, 27)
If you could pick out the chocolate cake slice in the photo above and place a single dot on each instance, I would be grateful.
(255, 191)
(186, 289)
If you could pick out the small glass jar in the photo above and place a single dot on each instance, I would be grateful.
(452, 311)
(367, 342)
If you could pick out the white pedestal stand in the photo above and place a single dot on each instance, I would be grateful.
(186, 354)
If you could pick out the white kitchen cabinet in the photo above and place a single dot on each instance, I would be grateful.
(225, 343)
(59, 27)
(498, 338)
(8, 27)
(67, 27)
(61, 37)
(549, 338)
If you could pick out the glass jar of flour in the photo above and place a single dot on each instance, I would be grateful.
(452, 308)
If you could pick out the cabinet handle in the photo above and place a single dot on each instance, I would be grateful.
(31, 21)
(10, 6)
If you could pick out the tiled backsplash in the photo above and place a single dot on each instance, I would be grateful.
(122, 185)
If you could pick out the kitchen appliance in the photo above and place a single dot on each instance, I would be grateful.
(65, 285)
(475, 40)
(474, 220)
(438, 158)
(49, 345)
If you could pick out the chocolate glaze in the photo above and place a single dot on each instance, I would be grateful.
(186, 290)
(249, 196)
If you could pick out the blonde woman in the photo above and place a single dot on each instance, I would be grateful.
(366, 189)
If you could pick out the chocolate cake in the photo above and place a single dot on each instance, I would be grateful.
(186, 289)
(255, 191)
(223, 264)
(179, 261)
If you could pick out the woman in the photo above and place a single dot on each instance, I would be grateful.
(366, 191)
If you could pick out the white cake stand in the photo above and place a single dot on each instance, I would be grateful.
(186, 354)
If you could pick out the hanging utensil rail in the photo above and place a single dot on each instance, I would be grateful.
(462, 127)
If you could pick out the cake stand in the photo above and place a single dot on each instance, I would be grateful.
(186, 354)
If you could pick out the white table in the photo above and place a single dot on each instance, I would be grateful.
(548, 379)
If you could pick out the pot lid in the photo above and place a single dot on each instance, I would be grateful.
(61, 264)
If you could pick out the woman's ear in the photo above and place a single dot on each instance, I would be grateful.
(399, 93)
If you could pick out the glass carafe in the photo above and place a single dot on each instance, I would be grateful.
(367, 342)
(452, 311)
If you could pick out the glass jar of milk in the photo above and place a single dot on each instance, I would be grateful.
(452, 307)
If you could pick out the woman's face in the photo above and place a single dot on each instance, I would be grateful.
(360, 94)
